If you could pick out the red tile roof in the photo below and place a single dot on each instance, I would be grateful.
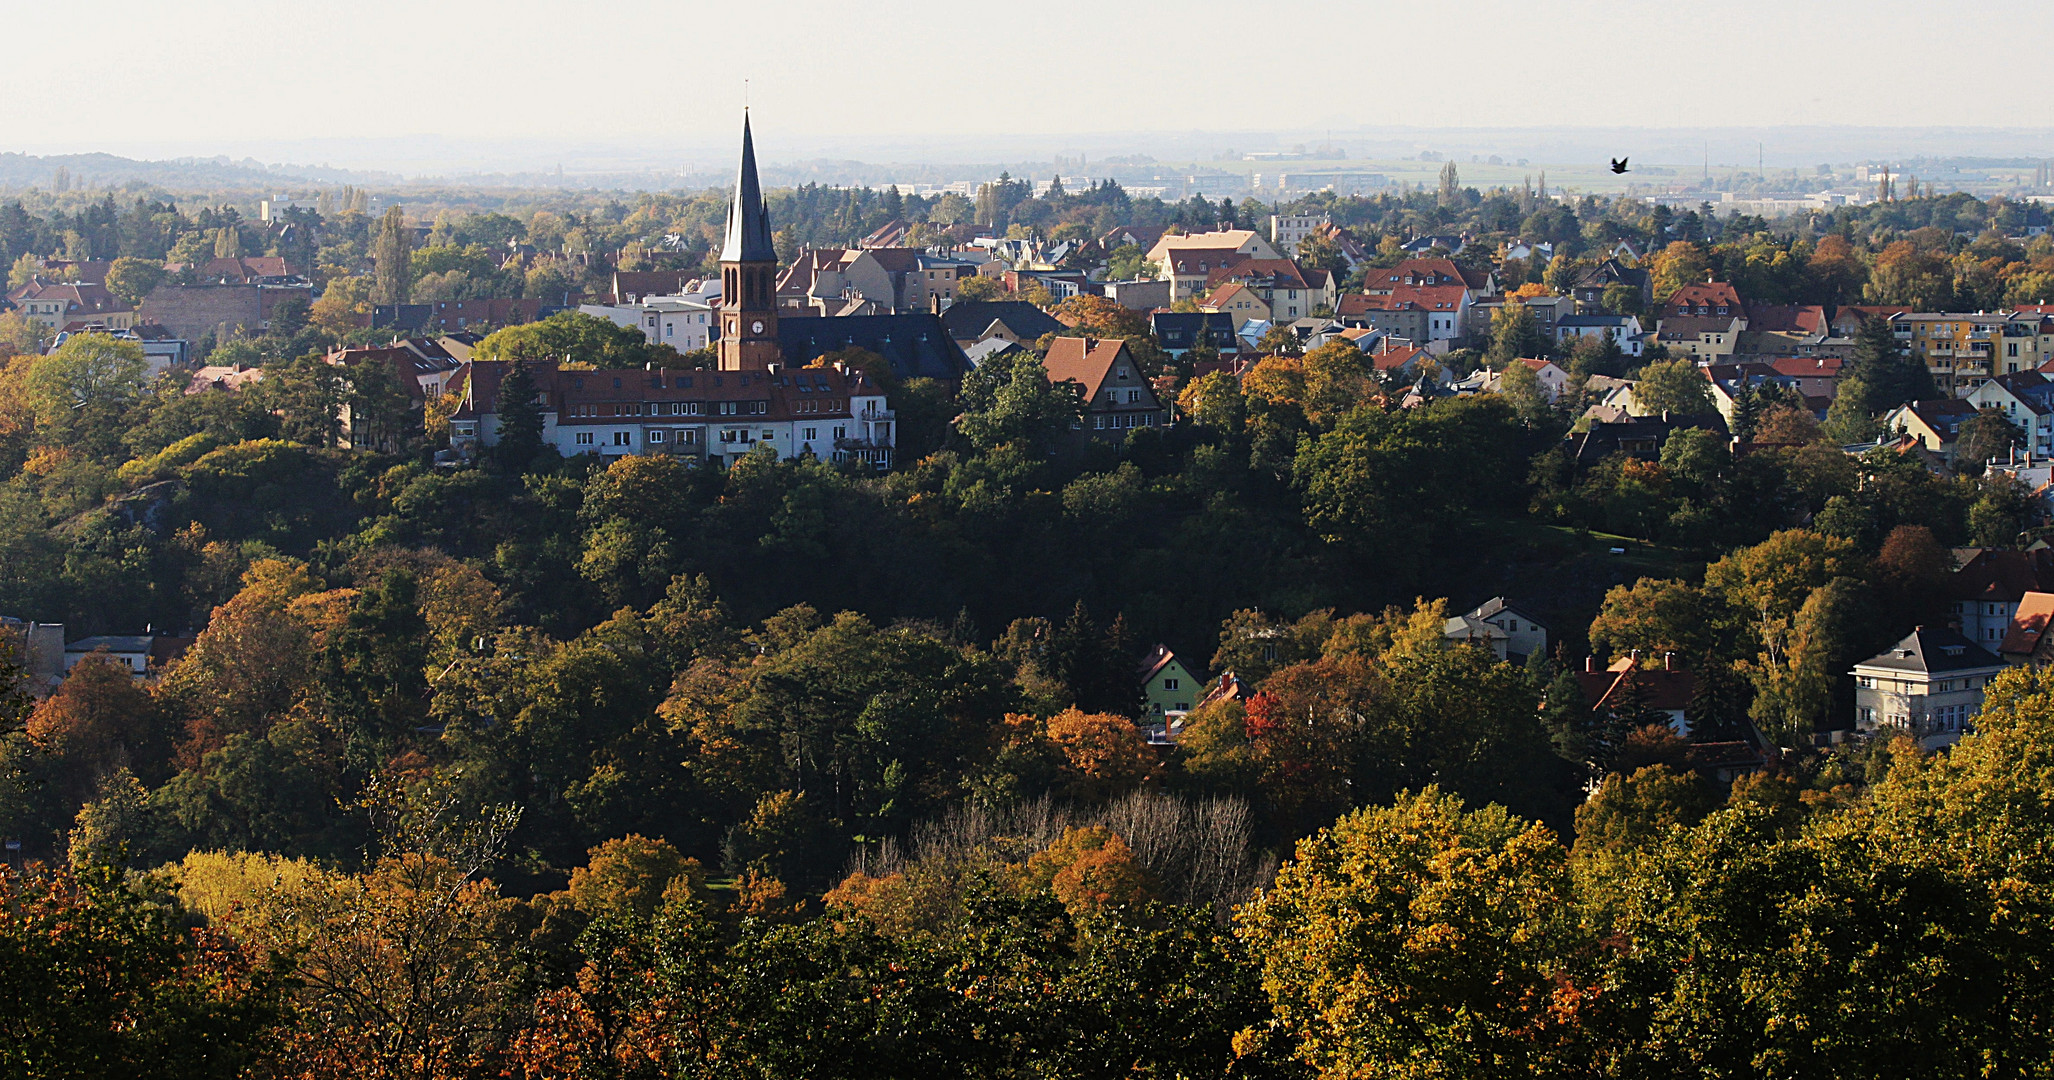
(1190, 261)
(1396, 357)
(1419, 272)
(1827, 367)
(1710, 294)
(2035, 610)
(1084, 361)
(1787, 318)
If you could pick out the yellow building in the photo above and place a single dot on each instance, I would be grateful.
(1964, 350)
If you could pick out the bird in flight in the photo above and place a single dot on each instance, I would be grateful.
(1619, 164)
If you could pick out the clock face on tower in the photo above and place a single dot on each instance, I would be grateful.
(756, 327)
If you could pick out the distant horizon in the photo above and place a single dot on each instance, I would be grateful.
(427, 158)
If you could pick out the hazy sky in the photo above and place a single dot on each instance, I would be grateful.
(208, 76)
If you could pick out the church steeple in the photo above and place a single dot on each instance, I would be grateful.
(748, 223)
(748, 274)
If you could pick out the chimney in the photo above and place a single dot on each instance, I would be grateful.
(1590, 664)
(1668, 661)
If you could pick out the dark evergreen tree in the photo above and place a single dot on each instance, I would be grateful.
(520, 417)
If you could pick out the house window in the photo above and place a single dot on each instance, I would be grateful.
(1269, 652)
(1169, 684)
(623, 438)
(811, 434)
(584, 438)
(841, 432)
(656, 436)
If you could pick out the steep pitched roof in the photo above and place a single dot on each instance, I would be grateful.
(1827, 367)
(1710, 294)
(1396, 357)
(1430, 297)
(967, 319)
(1201, 260)
(1161, 657)
(1225, 294)
(748, 222)
(1084, 361)
(1282, 272)
(2007, 576)
(2032, 388)
(917, 344)
(81, 295)
(1787, 318)
(2028, 624)
(1497, 604)
(1420, 272)
(1944, 415)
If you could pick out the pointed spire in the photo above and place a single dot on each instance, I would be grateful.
(748, 223)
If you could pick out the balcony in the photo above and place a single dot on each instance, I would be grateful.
(874, 414)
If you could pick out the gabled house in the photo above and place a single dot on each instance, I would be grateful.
(1188, 270)
(2027, 640)
(1666, 690)
(1553, 380)
(2026, 398)
(1935, 424)
(1167, 685)
(1117, 396)
(1704, 300)
(59, 305)
(1929, 686)
(1429, 272)
(1590, 285)
(1188, 260)
(1424, 313)
(1508, 631)
(1397, 360)
(1239, 301)
(1291, 291)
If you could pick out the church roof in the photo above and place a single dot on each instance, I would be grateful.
(748, 223)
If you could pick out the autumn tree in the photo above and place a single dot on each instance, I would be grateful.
(1423, 940)
(1677, 387)
(1680, 263)
(99, 980)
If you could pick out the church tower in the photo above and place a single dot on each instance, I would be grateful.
(748, 274)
